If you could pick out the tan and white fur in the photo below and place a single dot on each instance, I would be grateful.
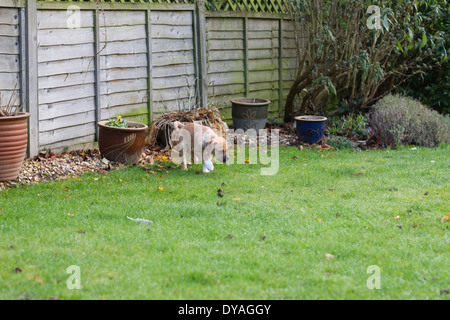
(204, 144)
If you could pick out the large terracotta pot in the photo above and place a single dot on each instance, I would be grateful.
(124, 145)
(13, 145)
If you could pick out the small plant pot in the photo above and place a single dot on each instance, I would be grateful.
(13, 145)
(250, 113)
(123, 145)
(310, 129)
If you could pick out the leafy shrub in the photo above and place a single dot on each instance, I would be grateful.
(339, 142)
(402, 120)
(349, 125)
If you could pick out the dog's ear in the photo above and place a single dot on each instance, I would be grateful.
(176, 125)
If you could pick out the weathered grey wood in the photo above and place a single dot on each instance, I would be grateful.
(9, 16)
(125, 47)
(122, 18)
(57, 19)
(263, 64)
(123, 61)
(9, 45)
(201, 45)
(66, 108)
(227, 78)
(126, 111)
(226, 66)
(173, 58)
(59, 53)
(9, 63)
(149, 97)
(173, 82)
(124, 98)
(65, 67)
(226, 55)
(246, 64)
(255, 54)
(67, 121)
(8, 80)
(56, 37)
(261, 76)
(66, 134)
(172, 32)
(72, 144)
(280, 66)
(171, 18)
(224, 34)
(223, 90)
(115, 6)
(263, 34)
(97, 65)
(23, 58)
(263, 44)
(269, 85)
(66, 80)
(169, 45)
(123, 74)
(125, 33)
(32, 78)
(123, 86)
(225, 44)
(9, 30)
(47, 96)
(223, 24)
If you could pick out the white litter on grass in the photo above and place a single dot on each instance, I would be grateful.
(413, 149)
(141, 220)
(432, 161)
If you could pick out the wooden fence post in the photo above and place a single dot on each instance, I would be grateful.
(201, 45)
(246, 72)
(98, 107)
(32, 78)
(280, 66)
(149, 68)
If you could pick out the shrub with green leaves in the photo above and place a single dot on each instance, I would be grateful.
(349, 126)
(339, 142)
(402, 120)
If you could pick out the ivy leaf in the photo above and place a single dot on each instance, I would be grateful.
(399, 45)
(424, 40)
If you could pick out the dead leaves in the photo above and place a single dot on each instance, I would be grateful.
(445, 218)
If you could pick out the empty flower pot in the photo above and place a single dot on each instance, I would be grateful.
(250, 113)
(310, 129)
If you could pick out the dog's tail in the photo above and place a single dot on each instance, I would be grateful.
(177, 125)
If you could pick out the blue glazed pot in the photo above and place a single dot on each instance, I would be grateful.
(310, 129)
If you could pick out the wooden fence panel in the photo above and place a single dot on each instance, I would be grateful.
(9, 52)
(173, 59)
(123, 65)
(65, 80)
(225, 45)
(263, 59)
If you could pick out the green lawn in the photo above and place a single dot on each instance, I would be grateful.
(364, 208)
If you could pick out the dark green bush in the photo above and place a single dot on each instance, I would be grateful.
(339, 142)
(400, 120)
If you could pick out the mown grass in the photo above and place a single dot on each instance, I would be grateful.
(364, 208)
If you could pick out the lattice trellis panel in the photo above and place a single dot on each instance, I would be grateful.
(269, 6)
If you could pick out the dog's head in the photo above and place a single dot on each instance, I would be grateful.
(219, 147)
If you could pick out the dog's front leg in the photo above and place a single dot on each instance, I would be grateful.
(208, 165)
(183, 161)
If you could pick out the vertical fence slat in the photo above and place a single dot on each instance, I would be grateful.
(201, 31)
(149, 68)
(98, 106)
(32, 78)
(23, 59)
(280, 66)
(246, 84)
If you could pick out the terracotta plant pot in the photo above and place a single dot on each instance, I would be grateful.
(249, 113)
(124, 145)
(13, 145)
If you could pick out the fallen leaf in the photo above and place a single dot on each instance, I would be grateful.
(426, 193)
(18, 270)
(319, 220)
(397, 217)
(247, 160)
(358, 174)
(329, 256)
(263, 238)
(95, 179)
(445, 218)
(160, 189)
(236, 199)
